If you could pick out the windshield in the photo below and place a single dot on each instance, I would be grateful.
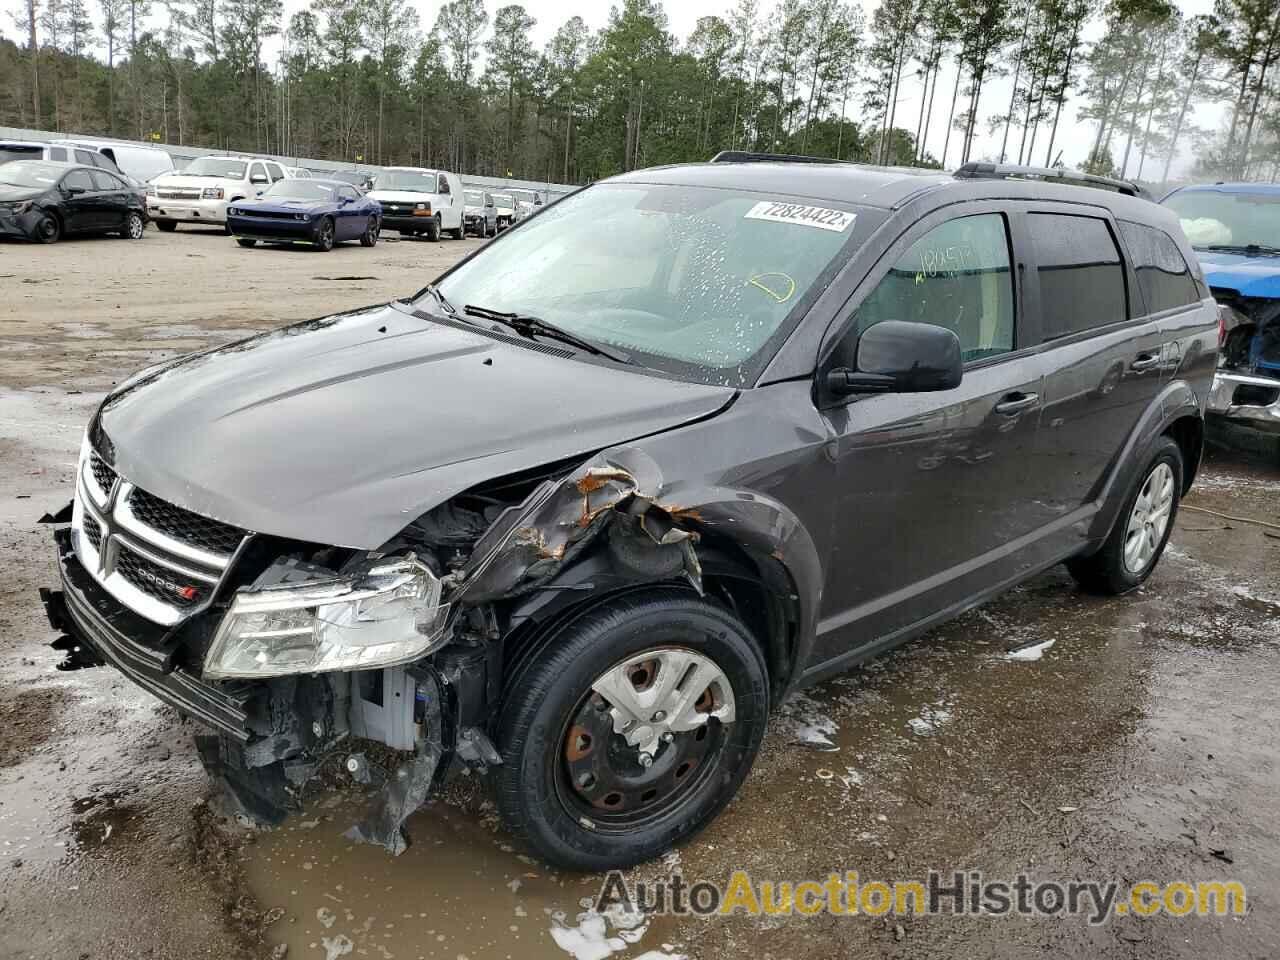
(693, 281)
(474, 198)
(301, 190)
(30, 174)
(419, 181)
(215, 167)
(1219, 218)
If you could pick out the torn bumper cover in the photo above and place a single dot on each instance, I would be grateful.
(1247, 400)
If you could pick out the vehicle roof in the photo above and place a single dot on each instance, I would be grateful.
(886, 187)
(1272, 189)
(113, 144)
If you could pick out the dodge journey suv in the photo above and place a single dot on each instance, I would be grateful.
(581, 511)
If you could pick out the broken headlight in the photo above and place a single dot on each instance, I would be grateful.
(387, 614)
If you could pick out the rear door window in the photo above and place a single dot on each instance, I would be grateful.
(105, 181)
(78, 178)
(1081, 273)
(956, 276)
(275, 171)
(58, 153)
(1163, 275)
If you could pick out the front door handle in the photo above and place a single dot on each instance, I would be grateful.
(1144, 361)
(1014, 403)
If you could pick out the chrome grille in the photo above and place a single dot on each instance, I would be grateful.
(158, 559)
(175, 194)
(174, 521)
(102, 473)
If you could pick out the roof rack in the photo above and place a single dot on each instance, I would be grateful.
(1011, 171)
(746, 156)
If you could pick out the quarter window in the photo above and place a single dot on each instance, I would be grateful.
(57, 153)
(1081, 276)
(1163, 275)
(956, 276)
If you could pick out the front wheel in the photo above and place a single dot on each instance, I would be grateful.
(245, 242)
(631, 730)
(324, 236)
(134, 226)
(48, 229)
(1141, 530)
(370, 235)
(433, 230)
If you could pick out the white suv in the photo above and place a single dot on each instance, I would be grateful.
(416, 201)
(201, 192)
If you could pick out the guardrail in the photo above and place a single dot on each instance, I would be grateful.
(184, 154)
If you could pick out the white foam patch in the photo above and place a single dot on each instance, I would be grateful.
(591, 940)
(932, 717)
(1032, 652)
(807, 723)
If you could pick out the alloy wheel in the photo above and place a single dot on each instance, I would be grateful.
(136, 227)
(1149, 519)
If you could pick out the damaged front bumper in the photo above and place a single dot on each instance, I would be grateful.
(1247, 400)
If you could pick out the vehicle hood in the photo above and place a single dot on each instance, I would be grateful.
(178, 180)
(298, 206)
(344, 430)
(12, 194)
(401, 196)
(1250, 276)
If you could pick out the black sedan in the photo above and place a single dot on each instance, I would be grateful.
(316, 212)
(44, 201)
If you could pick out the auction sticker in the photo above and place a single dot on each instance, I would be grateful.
(823, 218)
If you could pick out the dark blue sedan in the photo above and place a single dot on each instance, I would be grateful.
(318, 212)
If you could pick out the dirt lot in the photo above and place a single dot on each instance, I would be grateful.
(1139, 744)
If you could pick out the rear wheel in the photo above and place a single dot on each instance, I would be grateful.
(244, 242)
(48, 229)
(134, 226)
(1142, 528)
(370, 235)
(631, 730)
(168, 226)
(324, 236)
(458, 233)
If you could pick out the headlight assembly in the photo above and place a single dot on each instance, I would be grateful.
(389, 613)
(211, 193)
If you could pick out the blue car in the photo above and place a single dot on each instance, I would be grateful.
(318, 212)
(1235, 231)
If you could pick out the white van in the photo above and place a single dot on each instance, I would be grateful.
(140, 163)
(417, 201)
(58, 151)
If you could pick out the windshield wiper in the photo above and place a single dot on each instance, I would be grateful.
(1249, 249)
(432, 289)
(528, 326)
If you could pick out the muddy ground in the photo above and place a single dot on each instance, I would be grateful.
(1140, 745)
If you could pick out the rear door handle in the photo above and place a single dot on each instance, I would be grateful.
(1015, 403)
(1144, 361)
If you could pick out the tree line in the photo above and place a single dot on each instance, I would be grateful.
(365, 80)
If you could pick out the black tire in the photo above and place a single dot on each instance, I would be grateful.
(324, 235)
(246, 242)
(548, 691)
(1106, 571)
(167, 226)
(134, 226)
(433, 229)
(226, 228)
(48, 229)
(491, 232)
(370, 236)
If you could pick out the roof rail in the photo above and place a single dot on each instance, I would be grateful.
(746, 156)
(1012, 171)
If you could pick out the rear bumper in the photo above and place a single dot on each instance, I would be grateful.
(95, 619)
(1246, 400)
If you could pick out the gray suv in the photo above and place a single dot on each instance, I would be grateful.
(580, 512)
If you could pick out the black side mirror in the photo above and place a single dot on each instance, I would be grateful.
(75, 191)
(898, 357)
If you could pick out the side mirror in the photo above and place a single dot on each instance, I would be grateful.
(898, 357)
(75, 191)
(257, 178)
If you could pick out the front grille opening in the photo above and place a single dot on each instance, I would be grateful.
(102, 474)
(1253, 395)
(190, 528)
(167, 586)
(93, 532)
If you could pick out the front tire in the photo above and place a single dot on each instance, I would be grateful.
(1141, 530)
(324, 235)
(48, 229)
(593, 781)
(433, 230)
